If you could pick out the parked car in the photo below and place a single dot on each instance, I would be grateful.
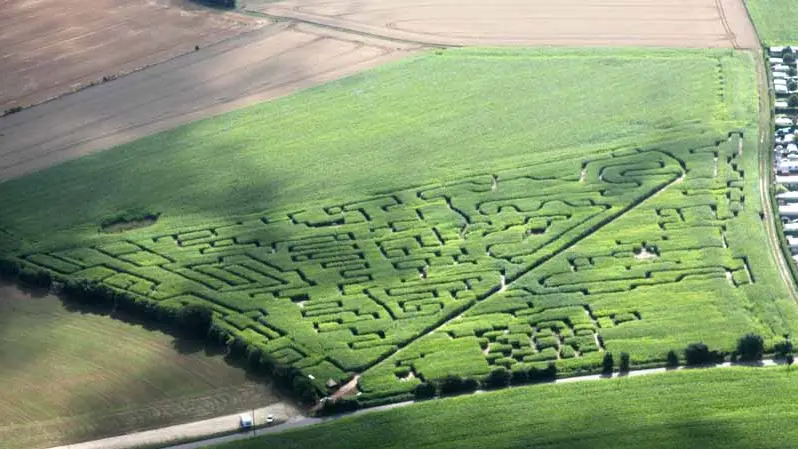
(245, 421)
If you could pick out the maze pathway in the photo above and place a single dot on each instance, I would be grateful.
(495, 269)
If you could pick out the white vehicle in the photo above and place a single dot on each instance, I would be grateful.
(780, 75)
(245, 421)
(783, 122)
(776, 61)
(781, 89)
(780, 68)
(781, 105)
(776, 50)
(270, 419)
(788, 197)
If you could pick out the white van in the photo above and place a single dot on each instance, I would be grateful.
(245, 421)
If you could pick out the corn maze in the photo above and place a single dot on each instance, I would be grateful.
(514, 268)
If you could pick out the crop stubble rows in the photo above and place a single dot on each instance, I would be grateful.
(673, 23)
(232, 74)
(52, 47)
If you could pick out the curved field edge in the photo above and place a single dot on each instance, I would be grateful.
(539, 255)
(79, 376)
(733, 408)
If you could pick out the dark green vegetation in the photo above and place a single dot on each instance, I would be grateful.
(774, 20)
(736, 408)
(71, 376)
(450, 214)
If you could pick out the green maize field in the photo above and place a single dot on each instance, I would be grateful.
(736, 408)
(448, 214)
(774, 20)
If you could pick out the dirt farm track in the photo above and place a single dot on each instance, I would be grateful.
(49, 48)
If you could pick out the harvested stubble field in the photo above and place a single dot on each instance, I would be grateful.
(73, 376)
(741, 408)
(775, 20)
(238, 72)
(52, 47)
(668, 23)
(376, 247)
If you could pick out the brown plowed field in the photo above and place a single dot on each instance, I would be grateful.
(246, 69)
(670, 23)
(49, 47)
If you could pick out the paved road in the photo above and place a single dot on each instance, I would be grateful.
(280, 411)
(195, 429)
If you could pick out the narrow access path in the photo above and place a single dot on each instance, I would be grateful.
(193, 430)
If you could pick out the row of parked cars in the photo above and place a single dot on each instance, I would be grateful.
(784, 74)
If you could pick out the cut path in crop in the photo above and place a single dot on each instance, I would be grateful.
(241, 71)
(555, 249)
(673, 23)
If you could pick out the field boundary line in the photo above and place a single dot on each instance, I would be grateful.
(114, 76)
(295, 423)
(766, 178)
(331, 25)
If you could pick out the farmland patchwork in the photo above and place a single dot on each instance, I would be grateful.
(524, 226)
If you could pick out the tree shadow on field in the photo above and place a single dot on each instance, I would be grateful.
(23, 290)
(160, 389)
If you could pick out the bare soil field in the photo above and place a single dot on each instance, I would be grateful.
(50, 47)
(72, 376)
(671, 23)
(243, 70)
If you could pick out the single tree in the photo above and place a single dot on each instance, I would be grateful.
(305, 390)
(9, 268)
(498, 378)
(792, 85)
(792, 71)
(789, 361)
(793, 101)
(519, 377)
(624, 363)
(469, 384)
(697, 354)
(751, 347)
(607, 364)
(196, 319)
(782, 348)
(672, 359)
(424, 391)
(451, 384)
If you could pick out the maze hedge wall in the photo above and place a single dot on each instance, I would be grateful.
(638, 250)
